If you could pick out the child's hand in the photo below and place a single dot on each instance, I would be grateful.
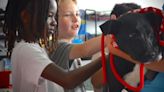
(109, 39)
(113, 17)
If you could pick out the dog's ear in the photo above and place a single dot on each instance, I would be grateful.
(153, 18)
(110, 27)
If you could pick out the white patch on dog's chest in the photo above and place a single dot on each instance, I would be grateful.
(133, 78)
(124, 90)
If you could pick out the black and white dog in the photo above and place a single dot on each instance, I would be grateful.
(138, 35)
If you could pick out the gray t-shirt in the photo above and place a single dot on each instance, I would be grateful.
(61, 57)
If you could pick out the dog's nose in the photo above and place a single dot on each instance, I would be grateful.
(155, 57)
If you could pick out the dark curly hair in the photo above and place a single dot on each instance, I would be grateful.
(13, 26)
(122, 8)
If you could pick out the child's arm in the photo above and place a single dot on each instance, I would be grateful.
(72, 78)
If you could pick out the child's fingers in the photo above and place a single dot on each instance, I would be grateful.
(113, 17)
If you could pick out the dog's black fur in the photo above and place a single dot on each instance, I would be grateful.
(136, 34)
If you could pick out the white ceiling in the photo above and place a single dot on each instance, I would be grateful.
(107, 5)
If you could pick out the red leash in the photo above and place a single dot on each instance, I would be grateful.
(103, 60)
(118, 77)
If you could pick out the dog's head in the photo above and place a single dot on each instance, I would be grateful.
(136, 34)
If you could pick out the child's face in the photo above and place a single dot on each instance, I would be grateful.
(51, 17)
(69, 19)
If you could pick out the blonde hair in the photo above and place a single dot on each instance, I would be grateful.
(59, 1)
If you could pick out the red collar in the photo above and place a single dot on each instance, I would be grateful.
(157, 11)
